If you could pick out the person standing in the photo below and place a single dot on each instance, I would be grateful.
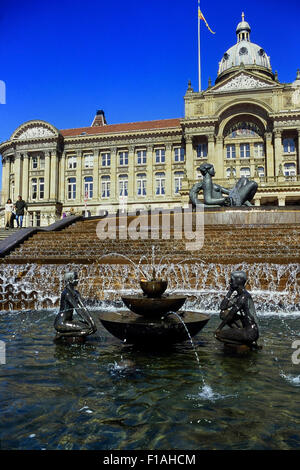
(9, 207)
(20, 208)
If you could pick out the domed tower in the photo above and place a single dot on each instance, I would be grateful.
(244, 53)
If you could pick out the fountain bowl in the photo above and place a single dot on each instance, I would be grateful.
(153, 307)
(154, 288)
(133, 329)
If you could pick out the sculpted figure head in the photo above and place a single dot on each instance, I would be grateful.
(238, 279)
(207, 168)
(71, 278)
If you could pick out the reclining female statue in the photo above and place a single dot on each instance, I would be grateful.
(241, 194)
(238, 313)
(71, 300)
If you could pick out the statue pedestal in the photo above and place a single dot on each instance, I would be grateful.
(59, 339)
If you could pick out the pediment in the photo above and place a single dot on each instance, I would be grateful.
(242, 81)
(34, 130)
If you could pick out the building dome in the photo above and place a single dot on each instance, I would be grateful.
(244, 52)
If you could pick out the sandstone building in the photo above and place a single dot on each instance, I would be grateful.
(248, 123)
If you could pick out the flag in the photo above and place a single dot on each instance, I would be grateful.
(201, 17)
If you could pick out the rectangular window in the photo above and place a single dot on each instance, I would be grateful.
(141, 157)
(88, 187)
(34, 188)
(123, 186)
(89, 161)
(160, 156)
(259, 150)
(123, 158)
(105, 159)
(34, 163)
(72, 162)
(141, 185)
(42, 188)
(202, 150)
(42, 163)
(288, 145)
(230, 151)
(244, 150)
(179, 154)
(178, 177)
(72, 188)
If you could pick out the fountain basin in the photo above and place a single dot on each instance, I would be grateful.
(133, 329)
(153, 307)
(154, 288)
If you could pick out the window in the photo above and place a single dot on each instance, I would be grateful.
(259, 150)
(261, 171)
(89, 161)
(160, 156)
(105, 186)
(231, 173)
(178, 177)
(42, 188)
(42, 162)
(230, 151)
(141, 157)
(123, 158)
(71, 188)
(289, 169)
(179, 154)
(244, 150)
(88, 187)
(245, 172)
(288, 145)
(160, 184)
(105, 159)
(141, 181)
(72, 162)
(34, 163)
(34, 188)
(201, 150)
(123, 185)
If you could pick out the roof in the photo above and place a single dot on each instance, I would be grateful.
(126, 127)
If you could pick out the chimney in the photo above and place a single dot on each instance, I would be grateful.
(99, 119)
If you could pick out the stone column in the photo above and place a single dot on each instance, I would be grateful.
(278, 150)
(281, 200)
(212, 155)
(5, 179)
(189, 157)
(220, 158)
(25, 181)
(62, 169)
(47, 175)
(168, 171)
(269, 158)
(54, 175)
(131, 182)
(18, 175)
(96, 175)
(79, 197)
(149, 173)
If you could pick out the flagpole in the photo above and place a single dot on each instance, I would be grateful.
(199, 53)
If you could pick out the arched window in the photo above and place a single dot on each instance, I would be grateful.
(71, 188)
(245, 171)
(289, 169)
(178, 177)
(231, 173)
(123, 185)
(160, 179)
(105, 186)
(141, 181)
(261, 171)
(88, 187)
(288, 145)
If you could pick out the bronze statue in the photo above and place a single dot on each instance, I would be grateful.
(71, 300)
(240, 195)
(238, 313)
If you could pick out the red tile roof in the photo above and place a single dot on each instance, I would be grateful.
(126, 127)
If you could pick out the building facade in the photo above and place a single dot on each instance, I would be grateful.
(248, 124)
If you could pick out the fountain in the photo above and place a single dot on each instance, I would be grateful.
(154, 318)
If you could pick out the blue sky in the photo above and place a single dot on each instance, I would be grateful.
(62, 60)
